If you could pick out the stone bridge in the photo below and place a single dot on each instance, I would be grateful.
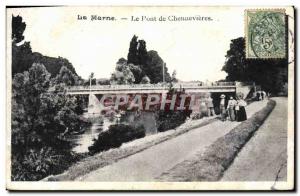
(95, 107)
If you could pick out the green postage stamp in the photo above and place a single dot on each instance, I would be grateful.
(265, 33)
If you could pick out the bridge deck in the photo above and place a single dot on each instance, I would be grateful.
(150, 88)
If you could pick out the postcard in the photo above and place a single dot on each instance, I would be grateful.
(154, 98)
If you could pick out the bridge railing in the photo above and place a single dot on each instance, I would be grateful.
(153, 86)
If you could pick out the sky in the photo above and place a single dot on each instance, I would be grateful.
(196, 50)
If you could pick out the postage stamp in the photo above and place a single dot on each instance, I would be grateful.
(265, 33)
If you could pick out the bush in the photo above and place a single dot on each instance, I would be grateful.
(115, 136)
(170, 119)
(36, 164)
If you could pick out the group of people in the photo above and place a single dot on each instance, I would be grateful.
(235, 109)
(261, 95)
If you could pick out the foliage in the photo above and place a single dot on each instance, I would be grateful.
(145, 80)
(142, 52)
(122, 74)
(154, 68)
(149, 62)
(115, 136)
(167, 120)
(174, 76)
(271, 74)
(18, 28)
(66, 77)
(133, 51)
(39, 121)
(137, 73)
(103, 81)
(21, 57)
(38, 163)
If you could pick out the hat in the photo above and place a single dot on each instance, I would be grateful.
(222, 96)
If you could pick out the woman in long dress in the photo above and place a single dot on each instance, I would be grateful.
(241, 111)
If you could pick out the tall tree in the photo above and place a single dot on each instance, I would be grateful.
(18, 28)
(142, 52)
(132, 56)
(154, 68)
(235, 63)
(143, 63)
(271, 74)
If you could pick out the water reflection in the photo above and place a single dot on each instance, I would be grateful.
(83, 141)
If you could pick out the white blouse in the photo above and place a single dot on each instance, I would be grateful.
(242, 103)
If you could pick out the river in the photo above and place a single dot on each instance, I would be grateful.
(83, 141)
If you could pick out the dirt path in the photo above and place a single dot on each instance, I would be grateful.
(264, 157)
(151, 163)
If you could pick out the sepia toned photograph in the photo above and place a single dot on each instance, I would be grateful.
(157, 98)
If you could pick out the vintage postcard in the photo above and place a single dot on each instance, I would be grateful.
(150, 98)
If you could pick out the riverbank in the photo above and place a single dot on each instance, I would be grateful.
(103, 159)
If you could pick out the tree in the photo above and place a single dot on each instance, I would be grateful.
(66, 77)
(21, 57)
(18, 28)
(142, 53)
(92, 80)
(145, 80)
(154, 68)
(235, 63)
(174, 78)
(132, 56)
(147, 63)
(122, 75)
(39, 119)
(137, 72)
(91, 75)
(271, 74)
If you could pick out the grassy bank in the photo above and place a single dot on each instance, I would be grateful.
(210, 164)
(105, 158)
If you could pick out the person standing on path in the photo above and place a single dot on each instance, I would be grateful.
(203, 109)
(241, 111)
(223, 108)
(210, 106)
(231, 108)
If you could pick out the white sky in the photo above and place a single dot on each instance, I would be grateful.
(196, 50)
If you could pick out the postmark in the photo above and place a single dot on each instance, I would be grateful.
(265, 33)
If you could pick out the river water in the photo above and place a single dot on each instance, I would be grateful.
(83, 141)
